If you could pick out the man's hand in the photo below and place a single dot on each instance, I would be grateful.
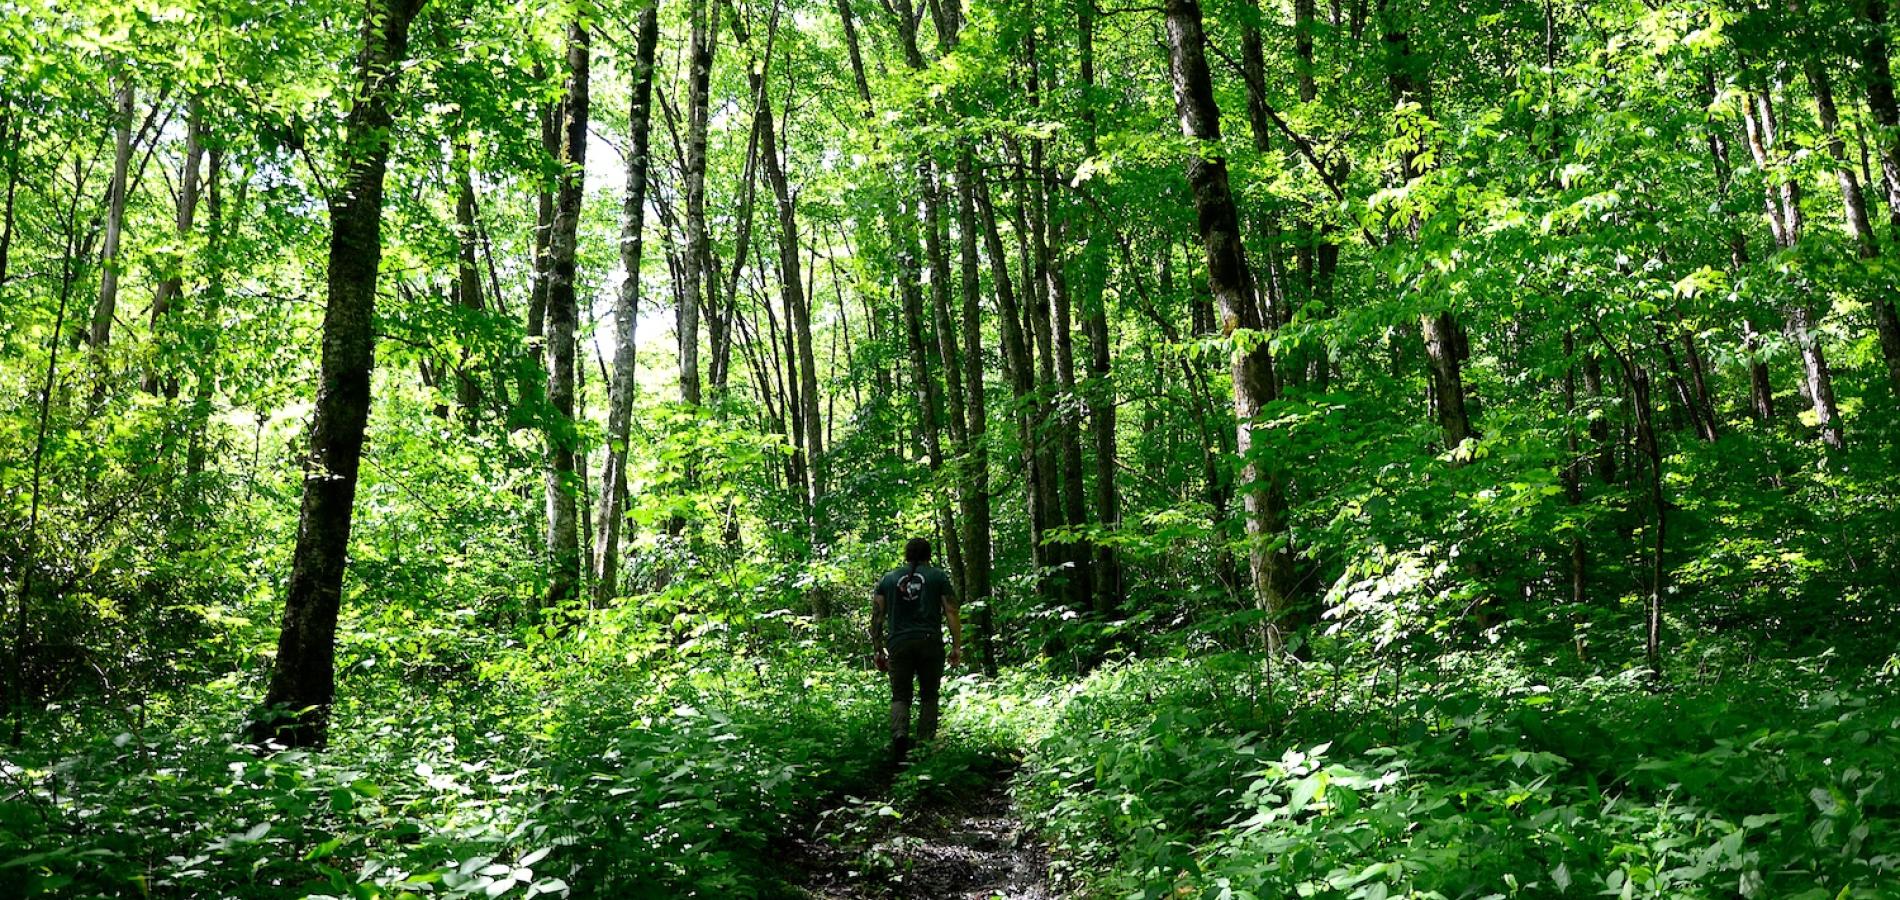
(956, 657)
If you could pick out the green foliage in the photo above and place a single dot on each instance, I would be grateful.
(1468, 779)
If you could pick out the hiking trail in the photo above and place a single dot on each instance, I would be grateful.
(962, 839)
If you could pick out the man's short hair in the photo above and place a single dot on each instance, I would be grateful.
(917, 551)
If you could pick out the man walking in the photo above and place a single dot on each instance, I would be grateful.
(909, 609)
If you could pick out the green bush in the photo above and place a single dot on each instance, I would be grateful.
(1174, 778)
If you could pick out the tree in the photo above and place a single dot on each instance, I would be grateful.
(303, 677)
(613, 485)
(1230, 282)
(564, 554)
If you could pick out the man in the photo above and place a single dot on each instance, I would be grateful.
(909, 609)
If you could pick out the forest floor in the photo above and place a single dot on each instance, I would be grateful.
(959, 837)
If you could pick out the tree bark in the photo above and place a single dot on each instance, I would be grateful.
(797, 304)
(1101, 399)
(1785, 219)
(468, 283)
(1854, 217)
(1442, 334)
(563, 537)
(703, 43)
(1021, 371)
(204, 356)
(172, 285)
(1229, 281)
(9, 146)
(977, 557)
(102, 314)
(303, 679)
(1761, 395)
(613, 478)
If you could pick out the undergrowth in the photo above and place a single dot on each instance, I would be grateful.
(1469, 779)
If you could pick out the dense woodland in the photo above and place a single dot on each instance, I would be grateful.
(1430, 449)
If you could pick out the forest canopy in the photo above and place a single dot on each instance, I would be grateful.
(1431, 449)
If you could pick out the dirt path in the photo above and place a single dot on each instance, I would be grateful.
(964, 843)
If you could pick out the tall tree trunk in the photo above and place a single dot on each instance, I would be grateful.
(563, 538)
(1854, 216)
(1876, 67)
(977, 558)
(1443, 337)
(303, 679)
(1659, 506)
(1021, 372)
(1037, 334)
(929, 408)
(13, 691)
(155, 381)
(633, 207)
(797, 304)
(1761, 395)
(944, 351)
(468, 283)
(1571, 477)
(1106, 566)
(531, 381)
(10, 142)
(1785, 219)
(1064, 413)
(102, 314)
(1229, 281)
(204, 355)
(703, 43)
(850, 28)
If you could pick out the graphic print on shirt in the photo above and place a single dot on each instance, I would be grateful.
(910, 593)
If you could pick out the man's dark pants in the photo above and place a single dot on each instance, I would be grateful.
(921, 660)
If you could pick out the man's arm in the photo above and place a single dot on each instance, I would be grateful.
(952, 613)
(877, 623)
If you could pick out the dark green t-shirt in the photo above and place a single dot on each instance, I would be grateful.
(913, 601)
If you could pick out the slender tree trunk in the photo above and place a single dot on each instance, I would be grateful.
(1659, 506)
(1685, 396)
(1854, 216)
(1406, 76)
(102, 314)
(977, 557)
(1037, 332)
(172, 285)
(204, 356)
(303, 681)
(468, 283)
(563, 538)
(10, 146)
(1020, 370)
(14, 691)
(613, 490)
(532, 384)
(704, 23)
(797, 305)
(1876, 67)
(1785, 218)
(944, 351)
(929, 408)
(1761, 395)
(1064, 417)
(1106, 566)
(1228, 280)
(1572, 480)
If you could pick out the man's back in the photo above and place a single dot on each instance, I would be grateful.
(913, 596)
